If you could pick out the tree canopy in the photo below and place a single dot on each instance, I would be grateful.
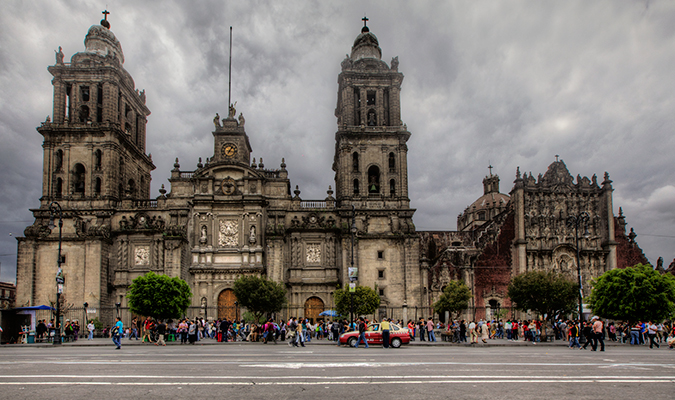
(366, 300)
(159, 296)
(455, 299)
(633, 293)
(546, 293)
(259, 295)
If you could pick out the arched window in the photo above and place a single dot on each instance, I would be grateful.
(97, 187)
(373, 180)
(356, 187)
(59, 187)
(392, 188)
(392, 162)
(98, 159)
(355, 162)
(79, 178)
(58, 160)
(120, 191)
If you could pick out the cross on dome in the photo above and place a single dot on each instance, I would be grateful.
(365, 27)
(104, 21)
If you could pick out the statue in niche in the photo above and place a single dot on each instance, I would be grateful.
(203, 235)
(372, 120)
(216, 121)
(241, 119)
(142, 95)
(59, 56)
(251, 236)
(232, 111)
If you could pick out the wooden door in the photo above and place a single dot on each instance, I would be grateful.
(226, 307)
(313, 307)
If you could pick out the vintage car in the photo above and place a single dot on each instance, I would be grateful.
(397, 336)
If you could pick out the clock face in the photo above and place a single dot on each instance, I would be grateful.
(229, 150)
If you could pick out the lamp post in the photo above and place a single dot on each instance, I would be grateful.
(576, 222)
(54, 212)
(84, 321)
(353, 275)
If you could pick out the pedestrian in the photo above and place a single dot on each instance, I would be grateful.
(484, 332)
(385, 326)
(91, 327)
(573, 333)
(472, 332)
(134, 329)
(362, 333)
(161, 331)
(183, 330)
(422, 327)
(118, 331)
(598, 334)
(430, 330)
(587, 331)
(652, 330)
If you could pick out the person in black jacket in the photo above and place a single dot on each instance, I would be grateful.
(587, 331)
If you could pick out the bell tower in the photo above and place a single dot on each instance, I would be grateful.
(94, 147)
(370, 160)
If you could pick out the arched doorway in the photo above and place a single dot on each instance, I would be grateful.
(226, 307)
(313, 307)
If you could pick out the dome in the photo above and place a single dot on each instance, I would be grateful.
(100, 40)
(489, 201)
(366, 46)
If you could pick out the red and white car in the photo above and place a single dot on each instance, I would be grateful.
(397, 336)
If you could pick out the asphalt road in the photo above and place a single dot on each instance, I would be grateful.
(257, 371)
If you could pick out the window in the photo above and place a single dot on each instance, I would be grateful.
(380, 274)
(392, 162)
(58, 160)
(373, 180)
(370, 98)
(356, 187)
(63, 258)
(98, 159)
(380, 255)
(392, 187)
(59, 187)
(78, 178)
(83, 115)
(132, 188)
(84, 92)
(357, 106)
(99, 103)
(355, 162)
(481, 216)
(381, 292)
(97, 187)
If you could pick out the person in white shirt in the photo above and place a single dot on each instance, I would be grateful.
(91, 328)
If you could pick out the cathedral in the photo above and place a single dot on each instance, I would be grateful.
(232, 216)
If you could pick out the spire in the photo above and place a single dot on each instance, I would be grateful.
(104, 21)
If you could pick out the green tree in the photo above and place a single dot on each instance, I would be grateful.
(259, 295)
(366, 300)
(455, 299)
(633, 293)
(546, 293)
(159, 296)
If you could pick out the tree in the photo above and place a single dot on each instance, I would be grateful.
(455, 299)
(633, 293)
(159, 296)
(366, 300)
(259, 295)
(547, 293)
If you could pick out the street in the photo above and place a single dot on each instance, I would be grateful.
(254, 370)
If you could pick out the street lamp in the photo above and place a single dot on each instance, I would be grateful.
(84, 321)
(118, 305)
(56, 211)
(576, 222)
(352, 276)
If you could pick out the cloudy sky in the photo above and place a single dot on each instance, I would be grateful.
(507, 83)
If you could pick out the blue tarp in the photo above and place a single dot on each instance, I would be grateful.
(33, 308)
(330, 313)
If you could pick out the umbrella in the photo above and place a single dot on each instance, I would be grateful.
(330, 313)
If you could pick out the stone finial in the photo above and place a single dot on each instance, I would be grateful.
(162, 191)
(176, 165)
(518, 172)
(330, 191)
(261, 165)
(253, 164)
(199, 164)
(283, 164)
(297, 192)
(150, 156)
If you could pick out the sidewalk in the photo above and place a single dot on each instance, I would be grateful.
(321, 342)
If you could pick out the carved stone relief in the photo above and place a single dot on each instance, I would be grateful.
(228, 233)
(142, 255)
(313, 253)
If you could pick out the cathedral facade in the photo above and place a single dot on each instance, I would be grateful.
(232, 216)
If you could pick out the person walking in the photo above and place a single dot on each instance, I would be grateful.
(587, 331)
(430, 330)
(161, 331)
(91, 327)
(573, 333)
(484, 332)
(472, 332)
(385, 326)
(652, 330)
(598, 334)
(362, 333)
(117, 333)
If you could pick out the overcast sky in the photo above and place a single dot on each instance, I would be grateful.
(507, 83)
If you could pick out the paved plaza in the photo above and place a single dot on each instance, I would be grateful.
(254, 370)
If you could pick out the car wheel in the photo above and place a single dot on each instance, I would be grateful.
(396, 343)
(351, 342)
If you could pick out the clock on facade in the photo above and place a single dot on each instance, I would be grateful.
(229, 150)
